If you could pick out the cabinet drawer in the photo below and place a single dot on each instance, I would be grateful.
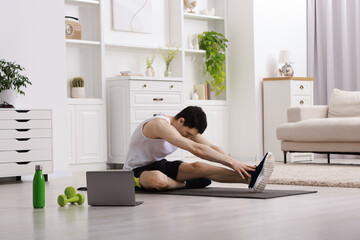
(25, 144)
(25, 114)
(158, 86)
(301, 87)
(139, 115)
(24, 124)
(25, 133)
(16, 169)
(155, 99)
(301, 101)
(24, 156)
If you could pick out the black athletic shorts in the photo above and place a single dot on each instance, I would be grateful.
(169, 168)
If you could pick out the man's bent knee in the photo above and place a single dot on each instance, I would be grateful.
(199, 167)
(154, 180)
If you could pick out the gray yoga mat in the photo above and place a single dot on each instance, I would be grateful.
(231, 192)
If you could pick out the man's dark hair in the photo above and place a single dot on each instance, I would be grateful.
(194, 118)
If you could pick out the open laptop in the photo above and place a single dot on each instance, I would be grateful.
(111, 188)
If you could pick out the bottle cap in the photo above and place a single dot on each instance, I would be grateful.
(38, 167)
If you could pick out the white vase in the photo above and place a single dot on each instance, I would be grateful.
(189, 44)
(78, 92)
(10, 96)
(196, 42)
(150, 72)
(211, 12)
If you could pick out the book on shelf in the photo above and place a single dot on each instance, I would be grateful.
(130, 73)
(203, 91)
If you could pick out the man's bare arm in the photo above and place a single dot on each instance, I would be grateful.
(201, 139)
(161, 129)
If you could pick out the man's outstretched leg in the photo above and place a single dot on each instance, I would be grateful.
(257, 182)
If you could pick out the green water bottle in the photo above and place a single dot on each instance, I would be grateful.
(38, 188)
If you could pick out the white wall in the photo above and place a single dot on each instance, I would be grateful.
(258, 30)
(32, 35)
(241, 72)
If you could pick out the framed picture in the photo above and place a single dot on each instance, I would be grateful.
(132, 15)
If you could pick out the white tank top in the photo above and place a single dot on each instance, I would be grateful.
(144, 151)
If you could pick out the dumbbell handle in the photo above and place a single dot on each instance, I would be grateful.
(63, 200)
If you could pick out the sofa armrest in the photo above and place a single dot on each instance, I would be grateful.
(295, 114)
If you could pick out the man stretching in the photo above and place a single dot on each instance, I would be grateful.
(159, 136)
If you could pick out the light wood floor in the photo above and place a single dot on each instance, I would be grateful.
(332, 213)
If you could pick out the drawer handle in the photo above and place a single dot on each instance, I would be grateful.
(22, 130)
(144, 86)
(22, 163)
(22, 120)
(22, 151)
(158, 99)
(22, 139)
(22, 111)
(171, 86)
(301, 87)
(301, 102)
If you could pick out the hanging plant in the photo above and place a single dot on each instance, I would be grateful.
(214, 44)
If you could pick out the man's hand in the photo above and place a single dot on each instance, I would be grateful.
(242, 168)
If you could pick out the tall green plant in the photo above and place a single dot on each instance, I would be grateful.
(11, 77)
(214, 44)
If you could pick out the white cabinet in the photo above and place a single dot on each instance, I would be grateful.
(86, 134)
(131, 100)
(25, 141)
(279, 95)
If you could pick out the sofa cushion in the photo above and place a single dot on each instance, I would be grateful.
(321, 130)
(344, 104)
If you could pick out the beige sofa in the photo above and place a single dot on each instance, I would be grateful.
(324, 129)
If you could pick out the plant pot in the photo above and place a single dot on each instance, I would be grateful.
(150, 72)
(78, 92)
(10, 96)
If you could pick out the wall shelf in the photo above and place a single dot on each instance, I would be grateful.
(202, 16)
(194, 51)
(82, 42)
(94, 2)
(146, 47)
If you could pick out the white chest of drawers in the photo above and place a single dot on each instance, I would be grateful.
(25, 141)
(131, 100)
(278, 95)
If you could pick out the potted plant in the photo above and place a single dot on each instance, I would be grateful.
(168, 55)
(149, 69)
(214, 44)
(77, 90)
(11, 81)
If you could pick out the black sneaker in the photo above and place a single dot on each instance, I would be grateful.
(262, 173)
(198, 183)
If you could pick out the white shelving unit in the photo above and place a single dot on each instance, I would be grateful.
(86, 116)
(103, 52)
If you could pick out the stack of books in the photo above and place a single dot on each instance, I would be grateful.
(203, 91)
(130, 73)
